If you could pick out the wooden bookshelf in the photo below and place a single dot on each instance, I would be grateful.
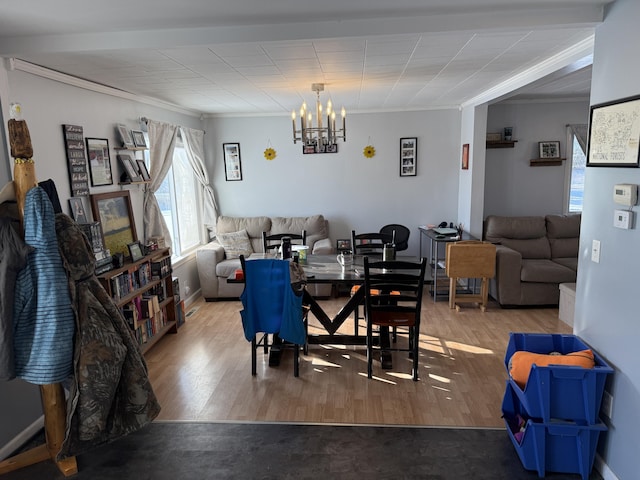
(143, 291)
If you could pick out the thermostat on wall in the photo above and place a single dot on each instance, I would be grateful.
(625, 194)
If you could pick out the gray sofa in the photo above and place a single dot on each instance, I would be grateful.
(533, 256)
(214, 268)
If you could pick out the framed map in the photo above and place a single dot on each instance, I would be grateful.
(614, 134)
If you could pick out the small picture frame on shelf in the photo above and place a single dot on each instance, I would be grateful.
(343, 244)
(77, 210)
(144, 173)
(549, 149)
(125, 136)
(135, 250)
(129, 167)
(138, 139)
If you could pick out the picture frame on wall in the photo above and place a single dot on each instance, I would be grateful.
(408, 156)
(614, 134)
(232, 162)
(465, 156)
(125, 136)
(99, 161)
(113, 211)
(549, 149)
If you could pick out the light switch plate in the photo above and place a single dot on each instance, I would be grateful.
(595, 251)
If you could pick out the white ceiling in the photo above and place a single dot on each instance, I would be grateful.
(261, 56)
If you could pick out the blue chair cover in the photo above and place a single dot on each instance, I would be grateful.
(269, 303)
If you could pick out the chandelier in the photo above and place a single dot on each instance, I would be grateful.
(318, 136)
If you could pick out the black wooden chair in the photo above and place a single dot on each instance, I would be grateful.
(393, 298)
(400, 235)
(271, 243)
(271, 306)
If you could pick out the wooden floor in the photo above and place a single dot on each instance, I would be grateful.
(203, 373)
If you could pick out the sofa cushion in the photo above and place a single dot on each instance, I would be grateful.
(497, 228)
(235, 244)
(315, 226)
(545, 271)
(564, 234)
(569, 262)
(253, 225)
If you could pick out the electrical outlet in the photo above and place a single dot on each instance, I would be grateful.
(607, 404)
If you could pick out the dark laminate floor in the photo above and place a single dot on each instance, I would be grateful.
(176, 450)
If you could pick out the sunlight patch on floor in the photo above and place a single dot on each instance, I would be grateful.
(468, 348)
(373, 377)
(438, 378)
(318, 362)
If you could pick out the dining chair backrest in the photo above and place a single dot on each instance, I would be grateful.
(369, 243)
(400, 235)
(272, 242)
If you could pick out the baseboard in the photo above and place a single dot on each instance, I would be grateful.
(603, 469)
(22, 438)
(192, 298)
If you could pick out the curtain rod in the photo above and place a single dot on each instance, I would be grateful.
(145, 120)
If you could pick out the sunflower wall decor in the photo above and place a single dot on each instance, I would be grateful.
(269, 153)
(369, 151)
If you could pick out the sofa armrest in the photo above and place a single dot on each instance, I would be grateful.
(507, 280)
(207, 259)
(323, 247)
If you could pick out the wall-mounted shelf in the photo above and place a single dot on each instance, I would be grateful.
(501, 143)
(133, 149)
(545, 162)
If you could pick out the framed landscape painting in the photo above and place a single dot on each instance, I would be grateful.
(113, 211)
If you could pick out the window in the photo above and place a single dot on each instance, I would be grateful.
(576, 171)
(179, 198)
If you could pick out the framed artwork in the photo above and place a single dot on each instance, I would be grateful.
(125, 136)
(129, 166)
(232, 163)
(408, 156)
(76, 160)
(308, 149)
(343, 244)
(614, 134)
(135, 251)
(465, 156)
(99, 161)
(113, 211)
(138, 138)
(77, 210)
(549, 149)
(144, 173)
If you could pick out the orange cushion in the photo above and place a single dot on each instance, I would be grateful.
(374, 291)
(520, 363)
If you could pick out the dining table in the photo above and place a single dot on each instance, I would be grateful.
(325, 269)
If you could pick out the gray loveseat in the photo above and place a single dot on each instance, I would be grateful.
(533, 256)
(214, 267)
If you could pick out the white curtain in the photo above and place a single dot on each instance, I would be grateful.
(162, 140)
(193, 141)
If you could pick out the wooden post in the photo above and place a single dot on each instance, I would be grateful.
(53, 399)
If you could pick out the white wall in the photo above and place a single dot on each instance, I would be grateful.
(606, 314)
(512, 187)
(352, 191)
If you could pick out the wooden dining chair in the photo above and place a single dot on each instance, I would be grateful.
(271, 243)
(393, 298)
(272, 307)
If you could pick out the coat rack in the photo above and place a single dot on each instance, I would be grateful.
(53, 398)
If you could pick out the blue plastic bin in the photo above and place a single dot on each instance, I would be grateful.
(559, 391)
(556, 446)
